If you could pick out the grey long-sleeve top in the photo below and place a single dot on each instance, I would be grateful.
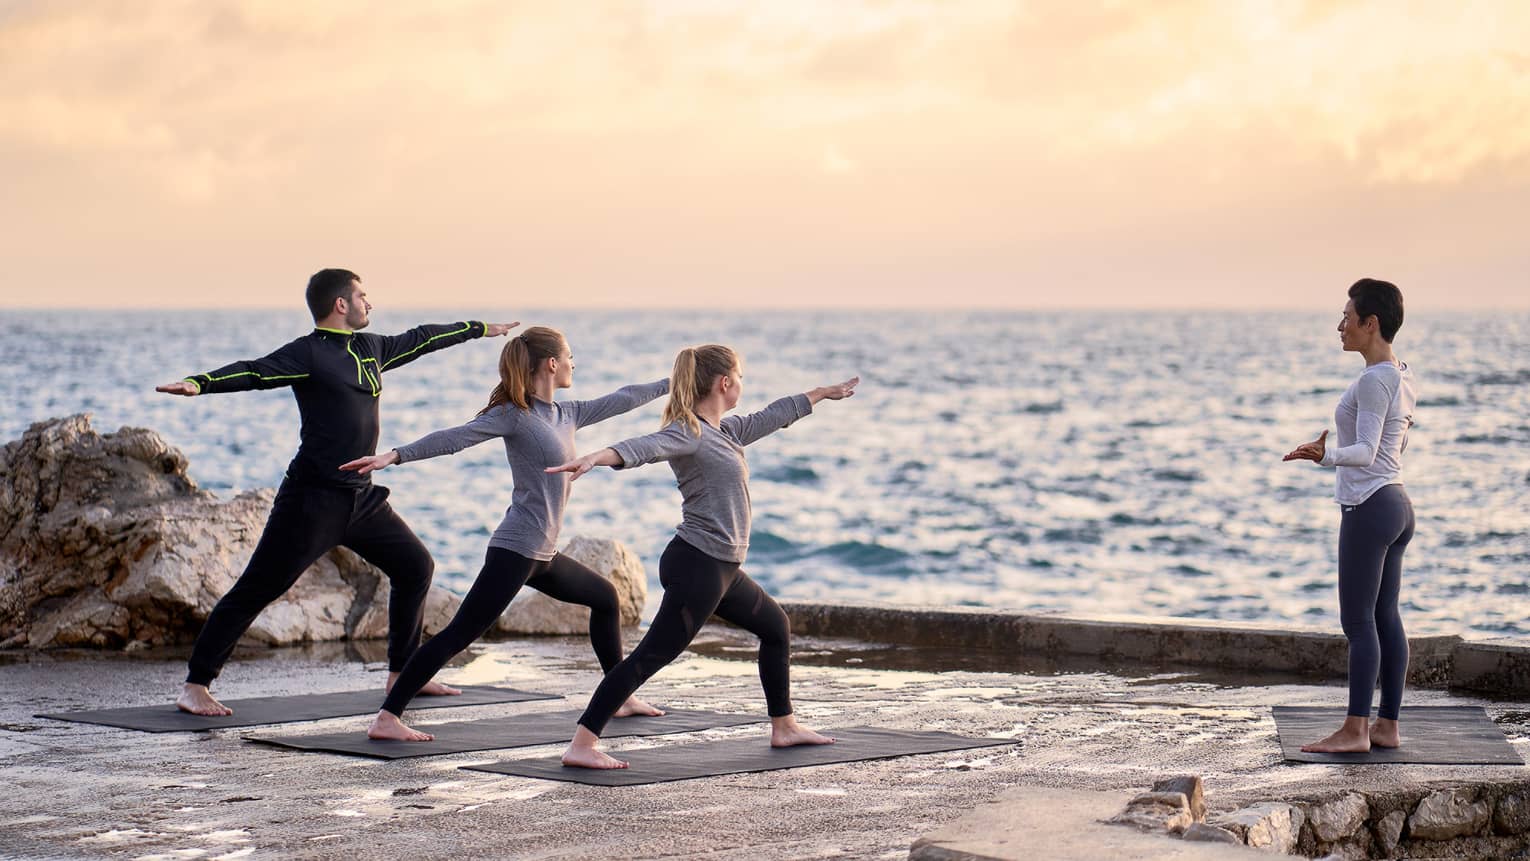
(535, 439)
(712, 473)
(1373, 418)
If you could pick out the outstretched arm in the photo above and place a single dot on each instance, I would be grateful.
(624, 399)
(403, 348)
(781, 413)
(670, 442)
(285, 366)
(491, 425)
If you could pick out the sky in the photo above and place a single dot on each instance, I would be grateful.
(797, 153)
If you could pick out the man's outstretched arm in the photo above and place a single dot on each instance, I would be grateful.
(403, 348)
(282, 368)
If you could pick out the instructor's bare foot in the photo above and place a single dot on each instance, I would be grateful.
(1353, 737)
(635, 706)
(1385, 733)
(387, 726)
(786, 732)
(198, 700)
(583, 753)
(432, 688)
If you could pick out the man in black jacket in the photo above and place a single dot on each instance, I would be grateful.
(336, 375)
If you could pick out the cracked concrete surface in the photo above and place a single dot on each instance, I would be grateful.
(75, 790)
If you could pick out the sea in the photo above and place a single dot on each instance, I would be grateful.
(1092, 463)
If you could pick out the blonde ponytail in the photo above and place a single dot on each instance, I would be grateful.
(518, 362)
(696, 371)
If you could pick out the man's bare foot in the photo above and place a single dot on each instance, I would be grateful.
(583, 753)
(786, 732)
(1384, 733)
(387, 726)
(198, 700)
(635, 706)
(1353, 737)
(432, 688)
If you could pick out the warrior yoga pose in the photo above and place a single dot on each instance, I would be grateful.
(1376, 520)
(336, 375)
(700, 570)
(523, 551)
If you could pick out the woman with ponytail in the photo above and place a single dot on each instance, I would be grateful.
(700, 570)
(537, 432)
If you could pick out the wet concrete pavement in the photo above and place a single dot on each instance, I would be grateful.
(75, 790)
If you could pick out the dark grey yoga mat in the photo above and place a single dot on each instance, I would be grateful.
(497, 733)
(742, 755)
(288, 709)
(1431, 735)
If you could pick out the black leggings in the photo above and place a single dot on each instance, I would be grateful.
(503, 574)
(695, 587)
(306, 522)
(1372, 538)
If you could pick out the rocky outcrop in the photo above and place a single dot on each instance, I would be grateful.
(106, 541)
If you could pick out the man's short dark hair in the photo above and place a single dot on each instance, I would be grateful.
(325, 287)
(1379, 299)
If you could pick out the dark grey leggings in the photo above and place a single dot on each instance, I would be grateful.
(504, 573)
(1372, 538)
(696, 586)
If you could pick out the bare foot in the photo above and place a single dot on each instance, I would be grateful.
(387, 726)
(432, 688)
(635, 706)
(1384, 733)
(583, 753)
(786, 732)
(198, 700)
(1346, 740)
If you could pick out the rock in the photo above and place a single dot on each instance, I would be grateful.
(1194, 792)
(1350, 851)
(1270, 825)
(1388, 831)
(1335, 820)
(534, 613)
(1157, 811)
(106, 541)
(1449, 813)
(1200, 832)
(1512, 814)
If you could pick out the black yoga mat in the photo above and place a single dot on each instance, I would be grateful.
(501, 732)
(289, 709)
(1431, 735)
(741, 755)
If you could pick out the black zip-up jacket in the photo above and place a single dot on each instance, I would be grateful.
(336, 377)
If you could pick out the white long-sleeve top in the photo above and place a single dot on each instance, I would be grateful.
(1373, 418)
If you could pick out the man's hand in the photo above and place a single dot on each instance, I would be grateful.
(179, 387)
(494, 330)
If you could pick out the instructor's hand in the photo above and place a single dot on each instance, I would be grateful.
(371, 463)
(836, 392)
(179, 387)
(1312, 451)
(494, 330)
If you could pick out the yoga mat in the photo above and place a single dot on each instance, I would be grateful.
(742, 755)
(1431, 735)
(502, 732)
(301, 707)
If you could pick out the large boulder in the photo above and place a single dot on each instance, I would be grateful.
(106, 541)
(534, 613)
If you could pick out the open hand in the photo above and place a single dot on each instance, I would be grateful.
(179, 387)
(371, 463)
(494, 330)
(836, 392)
(1312, 451)
(578, 466)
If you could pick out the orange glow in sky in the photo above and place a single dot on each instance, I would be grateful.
(1220, 154)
